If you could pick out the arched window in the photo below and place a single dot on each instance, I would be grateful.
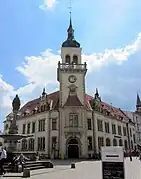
(120, 142)
(67, 59)
(114, 142)
(24, 144)
(75, 59)
(108, 142)
(125, 145)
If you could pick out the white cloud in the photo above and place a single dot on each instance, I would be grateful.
(47, 4)
(97, 60)
(42, 70)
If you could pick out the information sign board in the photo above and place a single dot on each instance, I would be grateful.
(112, 163)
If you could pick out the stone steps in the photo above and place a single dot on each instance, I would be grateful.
(33, 165)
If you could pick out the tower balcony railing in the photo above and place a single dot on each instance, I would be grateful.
(72, 67)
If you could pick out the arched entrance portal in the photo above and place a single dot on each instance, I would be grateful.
(73, 148)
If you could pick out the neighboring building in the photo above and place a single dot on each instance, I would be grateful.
(136, 118)
(70, 122)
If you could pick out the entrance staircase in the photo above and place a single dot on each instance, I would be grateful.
(33, 165)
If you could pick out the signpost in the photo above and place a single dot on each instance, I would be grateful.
(112, 163)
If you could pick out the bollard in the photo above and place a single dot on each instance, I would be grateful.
(26, 173)
(19, 169)
(72, 165)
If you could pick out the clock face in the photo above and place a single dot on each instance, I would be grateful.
(72, 79)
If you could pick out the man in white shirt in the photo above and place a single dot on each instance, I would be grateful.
(3, 158)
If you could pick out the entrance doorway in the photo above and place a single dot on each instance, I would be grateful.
(73, 149)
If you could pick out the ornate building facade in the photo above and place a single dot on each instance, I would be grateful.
(69, 121)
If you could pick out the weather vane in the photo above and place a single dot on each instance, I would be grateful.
(70, 6)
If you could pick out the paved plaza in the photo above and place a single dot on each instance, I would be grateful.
(83, 170)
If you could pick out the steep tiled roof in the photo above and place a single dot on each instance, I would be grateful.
(112, 111)
(73, 101)
(34, 104)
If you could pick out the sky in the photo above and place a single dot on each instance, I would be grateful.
(31, 34)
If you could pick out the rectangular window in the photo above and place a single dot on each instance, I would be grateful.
(100, 142)
(113, 129)
(73, 120)
(124, 131)
(100, 125)
(119, 130)
(41, 143)
(24, 127)
(54, 124)
(107, 129)
(28, 128)
(41, 126)
(89, 143)
(54, 142)
(33, 127)
(89, 124)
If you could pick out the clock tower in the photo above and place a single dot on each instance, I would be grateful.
(71, 72)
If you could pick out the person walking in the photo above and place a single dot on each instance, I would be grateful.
(130, 155)
(3, 158)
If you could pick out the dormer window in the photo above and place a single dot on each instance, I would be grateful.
(75, 59)
(42, 108)
(27, 111)
(67, 59)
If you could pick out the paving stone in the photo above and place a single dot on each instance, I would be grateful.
(84, 170)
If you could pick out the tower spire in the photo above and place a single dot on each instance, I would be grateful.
(70, 42)
(70, 29)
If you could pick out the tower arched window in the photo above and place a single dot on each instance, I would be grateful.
(75, 59)
(67, 59)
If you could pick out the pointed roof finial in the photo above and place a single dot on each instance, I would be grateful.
(97, 94)
(44, 92)
(138, 100)
(70, 7)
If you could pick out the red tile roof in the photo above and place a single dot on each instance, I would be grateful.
(71, 101)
